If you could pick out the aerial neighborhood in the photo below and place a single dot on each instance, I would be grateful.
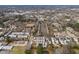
(39, 31)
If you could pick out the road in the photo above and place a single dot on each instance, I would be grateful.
(42, 28)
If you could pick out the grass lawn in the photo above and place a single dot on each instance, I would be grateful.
(76, 51)
(18, 50)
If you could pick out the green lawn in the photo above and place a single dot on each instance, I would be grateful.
(18, 50)
(76, 51)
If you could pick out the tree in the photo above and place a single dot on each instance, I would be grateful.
(50, 47)
(28, 52)
(76, 26)
(40, 49)
(21, 18)
(8, 40)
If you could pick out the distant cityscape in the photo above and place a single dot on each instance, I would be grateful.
(39, 29)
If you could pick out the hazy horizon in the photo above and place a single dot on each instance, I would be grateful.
(39, 6)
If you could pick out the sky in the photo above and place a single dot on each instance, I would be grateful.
(39, 2)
